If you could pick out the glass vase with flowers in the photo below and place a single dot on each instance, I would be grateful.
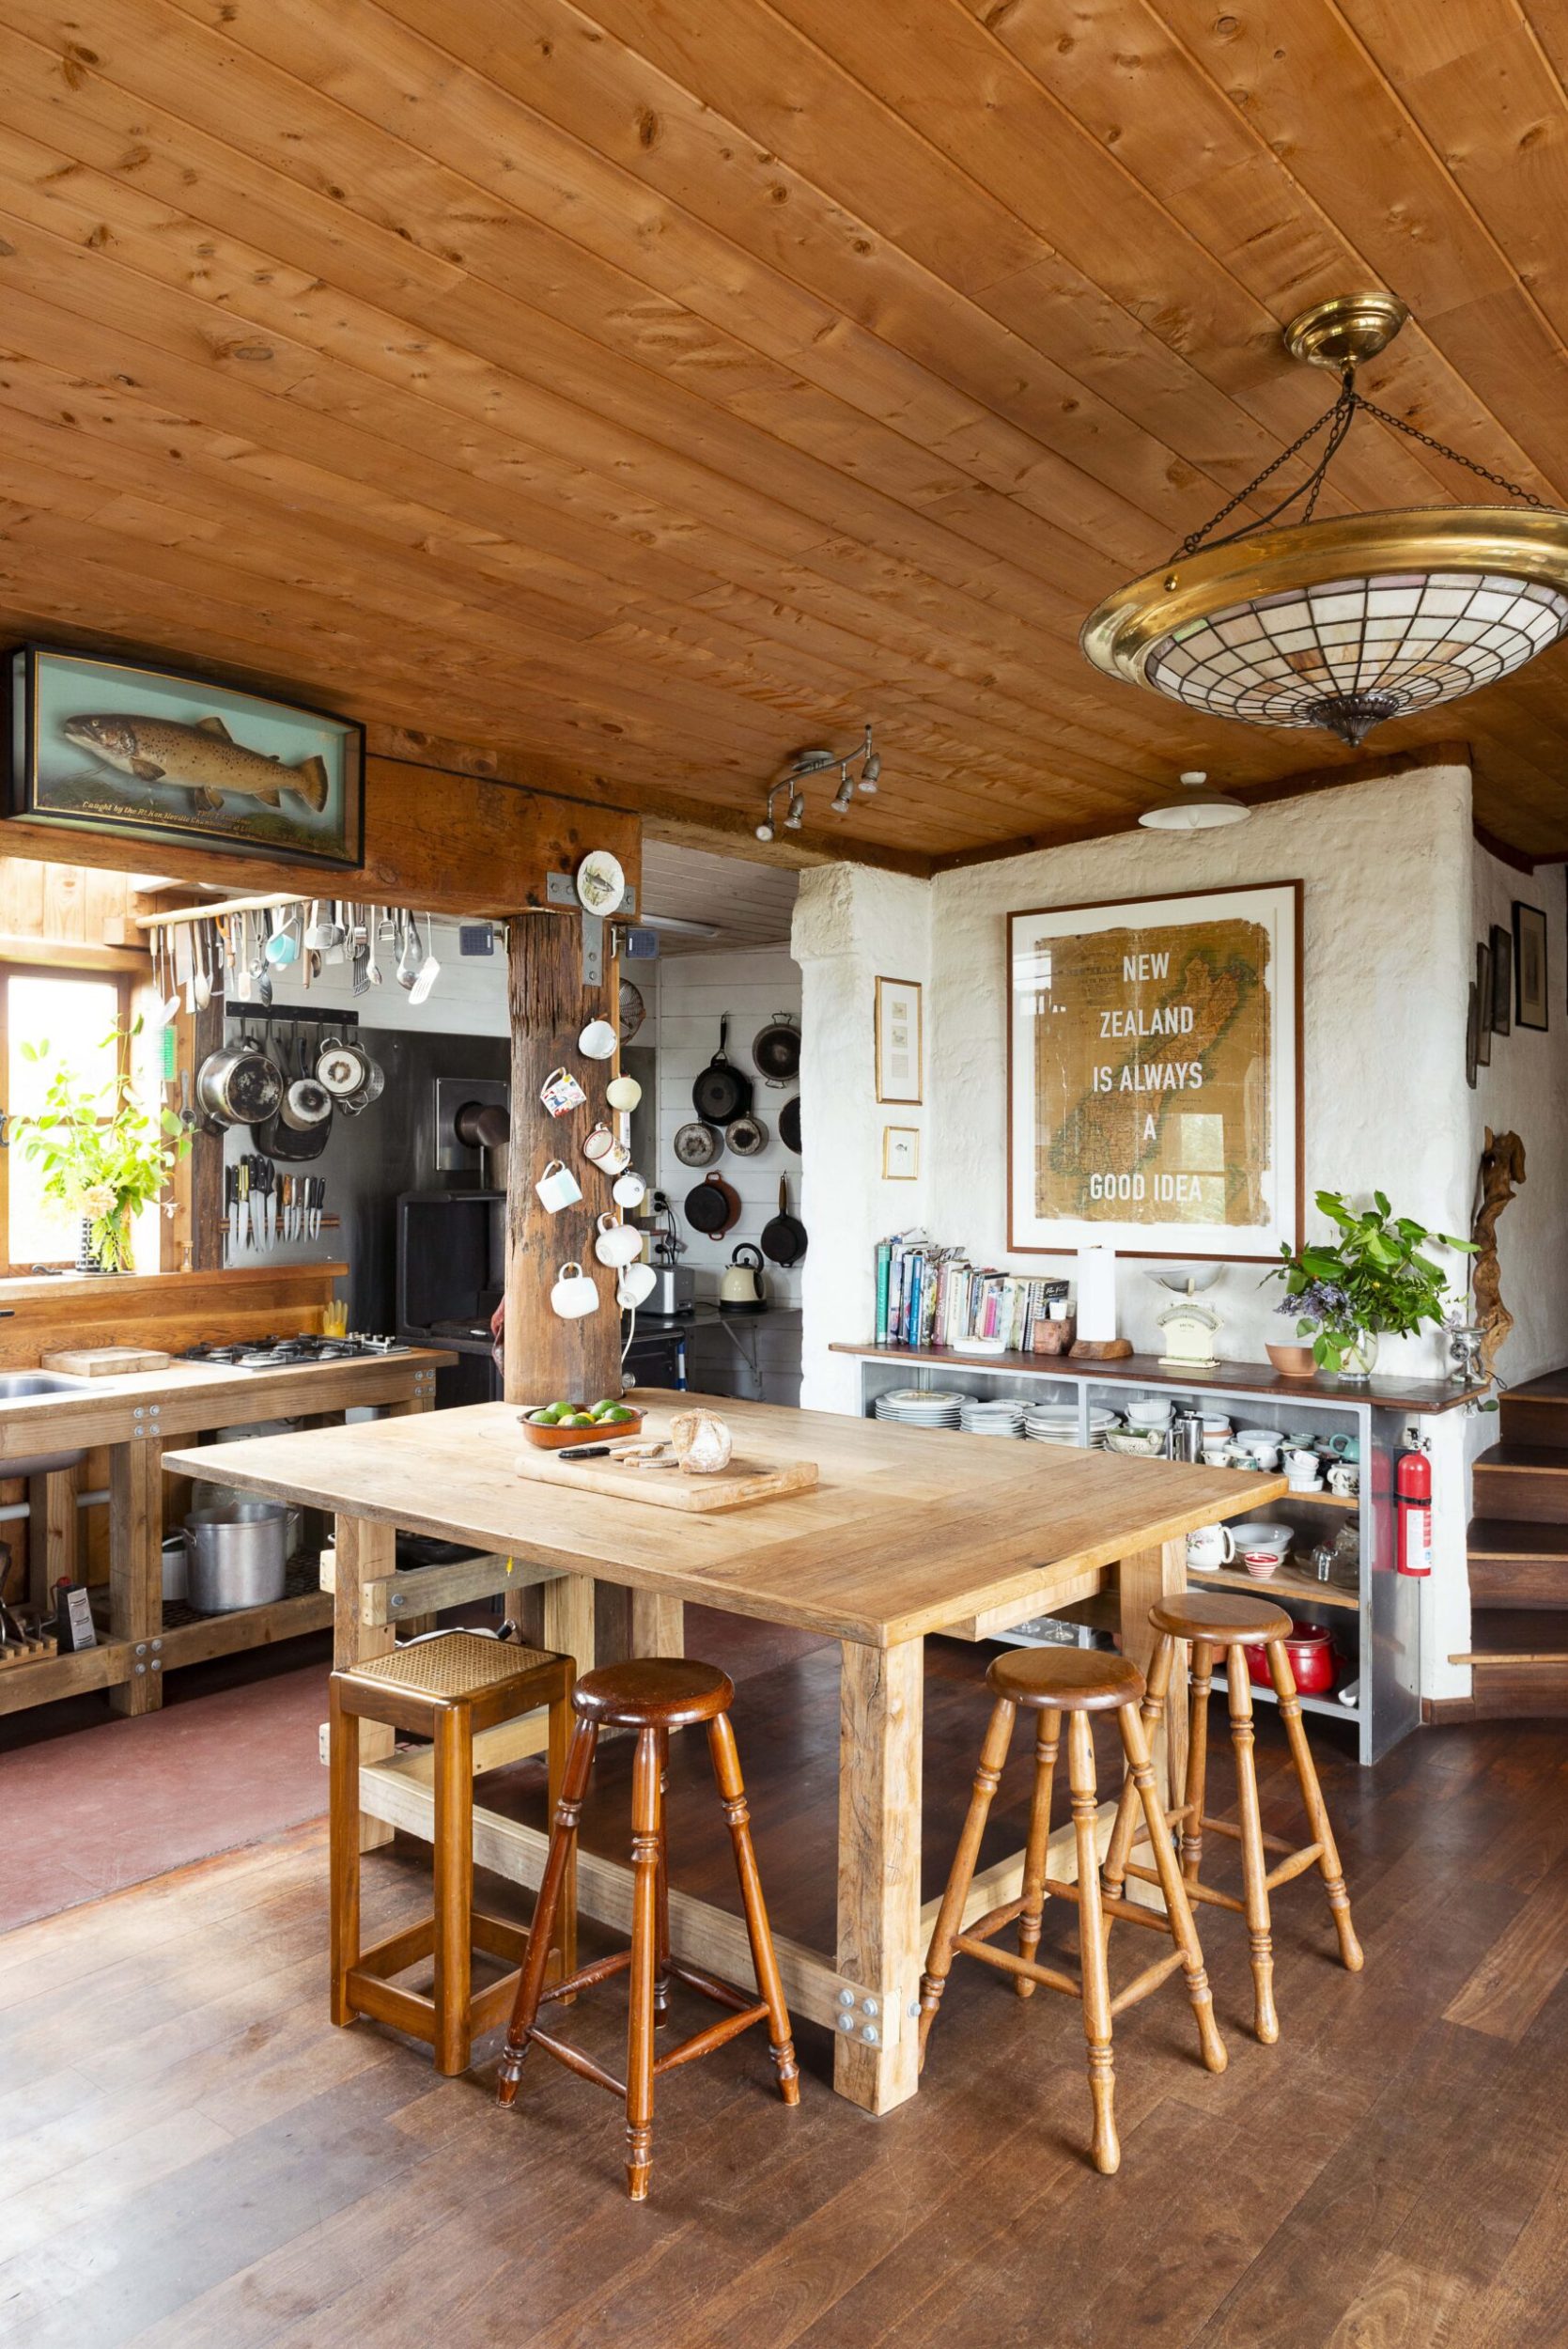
(102, 1156)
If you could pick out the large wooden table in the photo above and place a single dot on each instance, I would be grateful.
(908, 1531)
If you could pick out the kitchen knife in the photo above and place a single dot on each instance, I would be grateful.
(231, 1205)
(318, 1202)
(269, 1200)
(258, 1212)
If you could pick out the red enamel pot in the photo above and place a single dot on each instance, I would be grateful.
(1312, 1660)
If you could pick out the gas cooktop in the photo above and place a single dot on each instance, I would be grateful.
(274, 1353)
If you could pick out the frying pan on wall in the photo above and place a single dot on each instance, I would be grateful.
(698, 1144)
(721, 1092)
(783, 1238)
(713, 1207)
(747, 1136)
(776, 1050)
(789, 1124)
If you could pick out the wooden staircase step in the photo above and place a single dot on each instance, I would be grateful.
(1515, 1562)
(1518, 1667)
(1528, 1481)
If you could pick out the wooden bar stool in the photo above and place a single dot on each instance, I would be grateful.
(1230, 1620)
(444, 1687)
(1051, 1681)
(651, 1695)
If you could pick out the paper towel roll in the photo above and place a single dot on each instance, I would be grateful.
(1096, 1295)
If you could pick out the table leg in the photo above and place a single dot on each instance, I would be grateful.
(54, 1547)
(569, 1619)
(657, 1625)
(1146, 1577)
(367, 1551)
(136, 1569)
(881, 1695)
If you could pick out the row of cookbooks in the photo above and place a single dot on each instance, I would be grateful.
(930, 1296)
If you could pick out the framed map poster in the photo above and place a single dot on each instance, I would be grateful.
(1154, 1060)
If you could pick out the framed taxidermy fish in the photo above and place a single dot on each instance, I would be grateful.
(143, 753)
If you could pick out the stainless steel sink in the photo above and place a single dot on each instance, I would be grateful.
(17, 1386)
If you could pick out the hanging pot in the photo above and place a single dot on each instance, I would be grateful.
(698, 1145)
(776, 1050)
(784, 1238)
(747, 1136)
(240, 1084)
(341, 1067)
(721, 1092)
(305, 1104)
(713, 1207)
(630, 1010)
(789, 1124)
(275, 1140)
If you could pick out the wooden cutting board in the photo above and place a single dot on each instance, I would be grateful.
(104, 1362)
(736, 1486)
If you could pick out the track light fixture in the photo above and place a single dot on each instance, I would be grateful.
(805, 765)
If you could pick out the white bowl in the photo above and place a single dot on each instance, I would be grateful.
(1256, 1534)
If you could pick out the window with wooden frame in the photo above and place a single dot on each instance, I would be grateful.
(83, 1017)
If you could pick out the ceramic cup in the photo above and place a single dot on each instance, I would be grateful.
(1345, 1446)
(1209, 1548)
(561, 1093)
(600, 1147)
(1263, 1451)
(1219, 1455)
(1260, 1563)
(598, 1040)
(1344, 1478)
(629, 1189)
(616, 1243)
(574, 1293)
(623, 1092)
(636, 1283)
(558, 1188)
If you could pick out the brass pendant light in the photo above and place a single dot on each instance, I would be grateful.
(1344, 623)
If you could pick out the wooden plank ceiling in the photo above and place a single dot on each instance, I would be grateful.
(649, 387)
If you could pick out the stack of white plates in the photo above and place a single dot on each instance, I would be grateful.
(1057, 1423)
(922, 1406)
(995, 1415)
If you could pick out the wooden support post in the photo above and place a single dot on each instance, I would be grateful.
(881, 1697)
(365, 1550)
(197, 1035)
(1147, 1576)
(53, 1542)
(657, 1625)
(136, 1569)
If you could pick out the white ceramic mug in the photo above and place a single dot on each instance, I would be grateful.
(1209, 1548)
(574, 1293)
(601, 1148)
(623, 1092)
(1344, 1478)
(561, 1093)
(1217, 1456)
(616, 1243)
(598, 1040)
(558, 1188)
(636, 1283)
(629, 1189)
(1261, 1450)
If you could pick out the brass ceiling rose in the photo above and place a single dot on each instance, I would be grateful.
(1346, 623)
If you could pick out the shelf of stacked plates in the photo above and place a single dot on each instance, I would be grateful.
(1328, 1552)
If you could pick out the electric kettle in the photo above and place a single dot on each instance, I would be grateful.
(740, 1287)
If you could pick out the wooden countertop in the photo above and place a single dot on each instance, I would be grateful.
(909, 1530)
(1420, 1395)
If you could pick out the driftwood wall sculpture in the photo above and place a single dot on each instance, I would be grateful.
(1502, 1171)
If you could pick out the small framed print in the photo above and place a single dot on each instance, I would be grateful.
(900, 1153)
(1472, 1037)
(1483, 999)
(1529, 966)
(1501, 943)
(898, 1040)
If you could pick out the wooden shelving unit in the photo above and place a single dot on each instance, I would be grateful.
(1284, 1585)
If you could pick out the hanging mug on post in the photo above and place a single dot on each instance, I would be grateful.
(623, 1092)
(574, 1293)
(616, 1243)
(598, 1040)
(636, 1284)
(629, 1189)
(558, 1187)
(561, 1093)
(601, 1149)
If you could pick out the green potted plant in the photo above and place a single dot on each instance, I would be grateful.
(103, 1157)
(1370, 1281)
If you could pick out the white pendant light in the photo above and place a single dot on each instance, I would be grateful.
(1197, 810)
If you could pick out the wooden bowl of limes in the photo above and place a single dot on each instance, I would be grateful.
(556, 1426)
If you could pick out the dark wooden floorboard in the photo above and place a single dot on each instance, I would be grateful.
(195, 2159)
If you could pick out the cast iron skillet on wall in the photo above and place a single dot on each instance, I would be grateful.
(721, 1092)
(713, 1206)
(783, 1236)
(789, 1124)
(776, 1050)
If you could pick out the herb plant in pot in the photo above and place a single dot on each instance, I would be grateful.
(1369, 1282)
(104, 1158)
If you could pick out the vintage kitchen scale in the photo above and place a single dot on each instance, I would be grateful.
(1189, 1328)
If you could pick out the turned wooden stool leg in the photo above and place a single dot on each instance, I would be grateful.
(1254, 1863)
(1047, 1740)
(562, 1729)
(1317, 1813)
(343, 1750)
(732, 1791)
(1105, 2150)
(949, 1916)
(1197, 1760)
(558, 1863)
(1183, 1931)
(662, 1905)
(453, 1887)
(1123, 1833)
(647, 1834)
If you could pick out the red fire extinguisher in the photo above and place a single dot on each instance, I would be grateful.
(1413, 1500)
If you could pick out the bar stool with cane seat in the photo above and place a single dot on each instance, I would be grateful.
(1050, 1682)
(1230, 1622)
(444, 1687)
(652, 1695)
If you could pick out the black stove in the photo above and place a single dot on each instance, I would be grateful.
(273, 1353)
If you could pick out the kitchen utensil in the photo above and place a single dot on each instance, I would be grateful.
(1209, 1548)
(202, 968)
(783, 1238)
(372, 1090)
(637, 1284)
(712, 1207)
(601, 882)
(601, 1149)
(283, 947)
(572, 1439)
(104, 1362)
(175, 1558)
(239, 1084)
(372, 933)
(341, 1067)
(278, 1139)
(616, 1243)
(789, 1124)
(742, 1289)
(408, 959)
(429, 969)
(776, 1050)
(561, 1093)
(629, 1189)
(1262, 1548)
(598, 1040)
(747, 1136)
(721, 1091)
(574, 1293)
(623, 1092)
(558, 1188)
(698, 1144)
(305, 1103)
(237, 1556)
(1261, 1445)
(1311, 1651)
(630, 1010)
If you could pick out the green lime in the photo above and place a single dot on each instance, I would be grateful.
(617, 1413)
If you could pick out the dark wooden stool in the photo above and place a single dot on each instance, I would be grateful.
(1051, 1681)
(1230, 1620)
(445, 1688)
(651, 1695)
